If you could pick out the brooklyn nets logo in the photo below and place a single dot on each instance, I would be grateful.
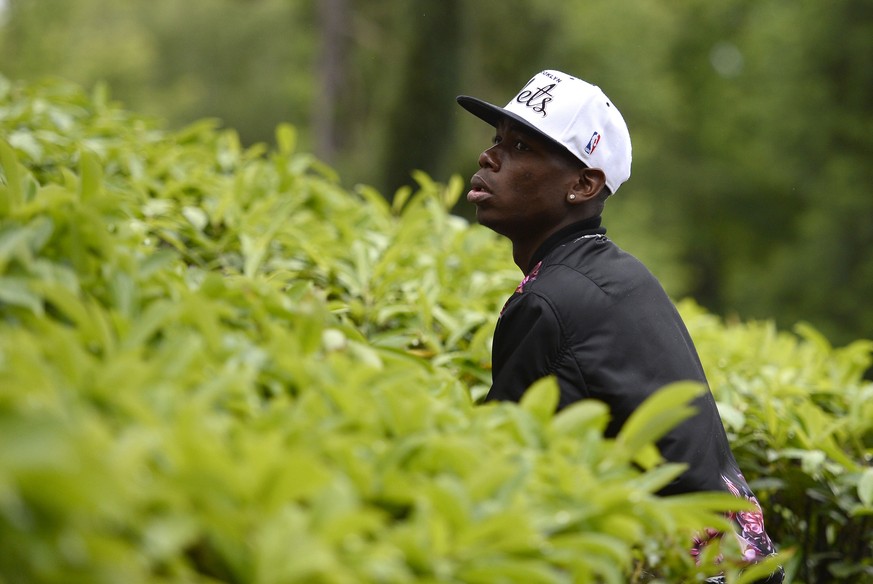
(538, 99)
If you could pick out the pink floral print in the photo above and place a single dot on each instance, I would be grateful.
(749, 525)
(530, 277)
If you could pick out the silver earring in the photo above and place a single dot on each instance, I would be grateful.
(572, 197)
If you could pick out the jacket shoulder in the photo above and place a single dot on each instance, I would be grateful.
(596, 270)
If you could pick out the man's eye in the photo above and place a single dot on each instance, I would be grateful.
(495, 140)
(519, 145)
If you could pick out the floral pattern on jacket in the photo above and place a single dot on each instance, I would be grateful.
(530, 277)
(748, 525)
(750, 532)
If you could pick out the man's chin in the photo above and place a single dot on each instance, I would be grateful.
(486, 219)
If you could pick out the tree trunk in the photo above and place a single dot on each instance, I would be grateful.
(330, 73)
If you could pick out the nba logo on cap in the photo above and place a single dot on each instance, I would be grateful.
(592, 143)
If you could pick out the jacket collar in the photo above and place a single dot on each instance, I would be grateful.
(590, 226)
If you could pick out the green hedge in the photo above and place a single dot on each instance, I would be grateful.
(217, 364)
(799, 414)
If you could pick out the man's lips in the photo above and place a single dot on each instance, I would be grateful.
(479, 190)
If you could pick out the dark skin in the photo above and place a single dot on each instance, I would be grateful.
(527, 188)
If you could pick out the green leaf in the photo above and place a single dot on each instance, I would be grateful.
(153, 318)
(865, 487)
(601, 554)
(489, 571)
(400, 198)
(286, 139)
(541, 399)
(452, 191)
(580, 418)
(10, 189)
(761, 570)
(710, 501)
(14, 243)
(16, 291)
(658, 477)
(659, 414)
(91, 175)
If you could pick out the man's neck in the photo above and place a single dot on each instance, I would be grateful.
(521, 257)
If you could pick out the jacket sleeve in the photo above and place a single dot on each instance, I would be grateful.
(528, 345)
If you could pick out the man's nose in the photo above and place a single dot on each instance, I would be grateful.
(488, 159)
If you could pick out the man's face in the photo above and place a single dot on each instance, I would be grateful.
(521, 187)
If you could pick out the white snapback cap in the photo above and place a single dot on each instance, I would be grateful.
(571, 113)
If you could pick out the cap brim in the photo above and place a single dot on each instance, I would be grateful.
(491, 113)
(482, 109)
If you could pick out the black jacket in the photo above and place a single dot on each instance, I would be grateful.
(595, 318)
(598, 320)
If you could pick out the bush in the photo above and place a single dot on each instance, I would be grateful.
(218, 364)
(799, 415)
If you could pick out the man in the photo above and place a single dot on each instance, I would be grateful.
(587, 312)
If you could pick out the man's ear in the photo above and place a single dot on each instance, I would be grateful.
(591, 182)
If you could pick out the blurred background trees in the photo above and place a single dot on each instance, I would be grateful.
(752, 121)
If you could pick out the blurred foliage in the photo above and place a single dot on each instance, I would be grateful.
(217, 364)
(751, 120)
(799, 417)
